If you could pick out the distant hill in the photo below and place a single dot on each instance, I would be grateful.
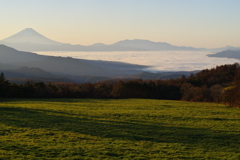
(24, 74)
(18, 64)
(10, 55)
(227, 54)
(221, 49)
(30, 40)
(68, 66)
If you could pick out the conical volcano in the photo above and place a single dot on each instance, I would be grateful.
(29, 35)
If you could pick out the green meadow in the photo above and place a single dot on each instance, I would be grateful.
(134, 129)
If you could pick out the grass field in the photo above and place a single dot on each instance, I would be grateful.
(117, 129)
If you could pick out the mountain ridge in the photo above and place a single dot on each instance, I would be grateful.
(30, 40)
(14, 60)
(235, 54)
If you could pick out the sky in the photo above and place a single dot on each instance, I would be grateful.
(196, 23)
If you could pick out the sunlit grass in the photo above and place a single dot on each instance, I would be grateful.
(117, 129)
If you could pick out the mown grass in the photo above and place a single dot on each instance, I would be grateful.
(117, 129)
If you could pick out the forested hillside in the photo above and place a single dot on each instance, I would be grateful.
(220, 84)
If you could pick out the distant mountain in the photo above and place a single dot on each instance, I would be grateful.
(10, 55)
(221, 49)
(30, 40)
(227, 54)
(26, 72)
(20, 64)
(98, 45)
(146, 45)
(229, 48)
(68, 66)
(29, 35)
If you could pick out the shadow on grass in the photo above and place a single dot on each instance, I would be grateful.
(64, 100)
(105, 128)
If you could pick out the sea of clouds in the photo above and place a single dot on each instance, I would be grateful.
(158, 60)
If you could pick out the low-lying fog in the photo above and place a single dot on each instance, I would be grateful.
(159, 60)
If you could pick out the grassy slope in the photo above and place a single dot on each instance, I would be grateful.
(117, 129)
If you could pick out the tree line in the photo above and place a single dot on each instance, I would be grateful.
(220, 84)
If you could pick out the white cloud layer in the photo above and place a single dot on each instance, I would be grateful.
(160, 60)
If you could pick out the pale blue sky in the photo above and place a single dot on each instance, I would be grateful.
(197, 23)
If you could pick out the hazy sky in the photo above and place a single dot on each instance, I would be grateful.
(197, 23)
